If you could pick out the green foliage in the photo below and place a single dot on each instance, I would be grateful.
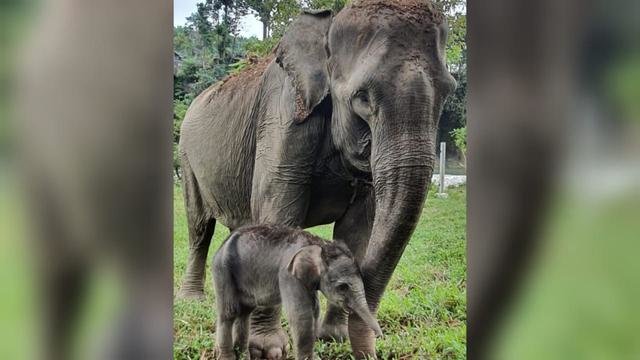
(284, 13)
(239, 66)
(454, 112)
(179, 111)
(335, 5)
(455, 12)
(276, 15)
(207, 45)
(255, 47)
(456, 43)
(460, 139)
(422, 314)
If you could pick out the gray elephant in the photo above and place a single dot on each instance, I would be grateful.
(339, 126)
(265, 266)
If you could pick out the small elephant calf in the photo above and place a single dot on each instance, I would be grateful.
(264, 266)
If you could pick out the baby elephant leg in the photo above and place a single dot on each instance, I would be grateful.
(224, 339)
(302, 325)
(241, 333)
(301, 308)
(228, 310)
(227, 317)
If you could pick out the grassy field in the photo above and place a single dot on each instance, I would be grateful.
(423, 312)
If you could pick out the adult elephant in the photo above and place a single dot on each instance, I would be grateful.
(338, 126)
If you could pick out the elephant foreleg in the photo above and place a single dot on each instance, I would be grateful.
(354, 228)
(267, 339)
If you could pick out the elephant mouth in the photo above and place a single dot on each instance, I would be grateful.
(365, 148)
(359, 156)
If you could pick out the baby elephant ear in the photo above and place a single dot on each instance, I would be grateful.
(306, 265)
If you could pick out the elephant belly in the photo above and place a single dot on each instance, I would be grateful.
(224, 180)
(229, 201)
(218, 139)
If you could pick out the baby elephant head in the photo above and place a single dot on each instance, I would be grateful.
(332, 269)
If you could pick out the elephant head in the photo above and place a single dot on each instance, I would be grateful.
(381, 64)
(333, 270)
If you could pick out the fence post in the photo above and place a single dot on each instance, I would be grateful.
(443, 165)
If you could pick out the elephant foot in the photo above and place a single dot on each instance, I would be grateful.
(220, 355)
(269, 345)
(191, 293)
(334, 325)
(333, 332)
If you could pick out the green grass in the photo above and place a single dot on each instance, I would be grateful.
(423, 312)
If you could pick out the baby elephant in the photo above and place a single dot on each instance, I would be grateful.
(264, 266)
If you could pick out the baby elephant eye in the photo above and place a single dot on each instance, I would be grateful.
(342, 287)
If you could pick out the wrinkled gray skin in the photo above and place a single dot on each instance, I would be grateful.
(265, 266)
(340, 127)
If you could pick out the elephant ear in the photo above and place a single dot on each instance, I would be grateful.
(303, 56)
(306, 265)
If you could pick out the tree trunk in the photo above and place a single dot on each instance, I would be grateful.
(265, 29)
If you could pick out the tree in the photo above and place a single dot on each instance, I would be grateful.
(284, 13)
(217, 24)
(335, 5)
(229, 13)
(276, 15)
(455, 13)
(264, 9)
(454, 114)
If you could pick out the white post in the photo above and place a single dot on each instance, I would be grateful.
(443, 165)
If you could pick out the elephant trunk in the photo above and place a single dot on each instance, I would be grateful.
(360, 307)
(402, 159)
(401, 182)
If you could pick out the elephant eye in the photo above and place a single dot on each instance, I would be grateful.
(361, 104)
(342, 287)
(362, 96)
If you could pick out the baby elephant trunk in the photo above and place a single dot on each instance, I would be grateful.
(361, 308)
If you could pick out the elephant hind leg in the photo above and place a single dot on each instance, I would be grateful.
(241, 332)
(201, 227)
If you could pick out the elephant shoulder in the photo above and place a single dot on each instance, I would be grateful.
(248, 76)
(222, 93)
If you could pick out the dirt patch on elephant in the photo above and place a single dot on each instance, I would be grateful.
(415, 10)
(253, 71)
(241, 80)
